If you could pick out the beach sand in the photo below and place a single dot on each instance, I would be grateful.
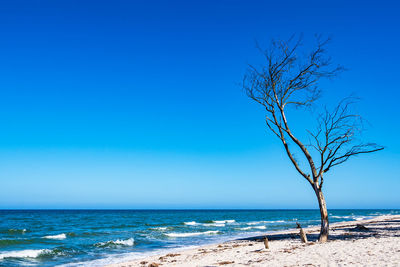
(348, 246)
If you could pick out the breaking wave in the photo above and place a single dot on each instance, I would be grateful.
(262, 227)
(209, 223)
(260, 222)
(224, 221)
(58, 237)
(192, 234)
(214, 224)
(28, 253)
(159, 228)
(353, 217)
(191, 223)
(118, 242)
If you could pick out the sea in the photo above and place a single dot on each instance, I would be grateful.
(101, 237)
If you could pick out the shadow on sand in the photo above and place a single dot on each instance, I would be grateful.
(359, 231)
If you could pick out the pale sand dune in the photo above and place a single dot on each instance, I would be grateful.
(378, 247)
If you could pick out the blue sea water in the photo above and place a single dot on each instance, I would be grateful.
(99, 237)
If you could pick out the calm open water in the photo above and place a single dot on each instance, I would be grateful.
(99, 237)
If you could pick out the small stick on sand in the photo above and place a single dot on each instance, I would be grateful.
(266, 243)
(303, 235)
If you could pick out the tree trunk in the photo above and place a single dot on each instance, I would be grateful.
(323, 235)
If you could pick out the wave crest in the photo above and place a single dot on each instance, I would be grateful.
(27, 253)
(192, 234)
(224, 221)
(214, 224)
(190, 223)
(58, 237)
(262, 227)
(159, 228)
(118, 242)
(261, 222)
(209, 223)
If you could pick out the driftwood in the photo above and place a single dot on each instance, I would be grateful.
(266, 243)
(303, 235)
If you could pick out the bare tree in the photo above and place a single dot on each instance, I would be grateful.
(289, 80)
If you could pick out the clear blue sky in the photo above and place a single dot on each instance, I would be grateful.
(136, 104)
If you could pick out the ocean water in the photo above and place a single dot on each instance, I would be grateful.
(99, 237)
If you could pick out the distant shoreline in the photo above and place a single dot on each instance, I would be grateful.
(285, 248)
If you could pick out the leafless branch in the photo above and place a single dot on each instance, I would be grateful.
(337, 136)
(287, 79)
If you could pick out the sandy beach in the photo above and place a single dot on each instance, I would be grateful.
(377, 245)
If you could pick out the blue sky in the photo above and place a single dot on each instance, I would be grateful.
(137, 104)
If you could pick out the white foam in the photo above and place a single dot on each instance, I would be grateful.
(354, 217)
(225, 221)
(214, 224)
(190, 223)
(127, 242)
(58, 237)
(261, 222)
(22, 231)
(160, 228)
(28, 253)
(359, 218)
(341, 217)
(262, 227)
(192, 234)
(254, 223)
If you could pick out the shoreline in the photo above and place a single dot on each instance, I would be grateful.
(250, 251)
